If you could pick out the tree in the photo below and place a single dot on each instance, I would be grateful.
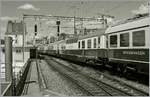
(62, 36)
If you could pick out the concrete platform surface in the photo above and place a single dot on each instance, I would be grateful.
(33, 88)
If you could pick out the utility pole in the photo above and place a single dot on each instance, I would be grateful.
(8, 62)
(82, 17)
(58, 30)
(75, 33)
(8, 59)
(74, 10)
(35, 34)
(23, 37)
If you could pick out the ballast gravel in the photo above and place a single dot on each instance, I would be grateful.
(56, 84)
(98, 75)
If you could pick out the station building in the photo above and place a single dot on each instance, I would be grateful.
(20, 54)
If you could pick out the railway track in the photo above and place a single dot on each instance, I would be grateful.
(44, 83)
(111, 82)
(91, 86)
(125, 87)
(109, 79)
(41, 78)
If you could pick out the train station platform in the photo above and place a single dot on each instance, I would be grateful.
(32, 87)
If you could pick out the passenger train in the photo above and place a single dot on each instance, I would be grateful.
(123, 47)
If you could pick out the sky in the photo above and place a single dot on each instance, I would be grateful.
(13, 9)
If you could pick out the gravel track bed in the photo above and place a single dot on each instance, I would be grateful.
(91, 86)
(58, 84)
(101, 76)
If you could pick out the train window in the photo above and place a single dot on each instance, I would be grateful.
(83, 44)
(138, 38)
(79, 44)
(124, 40)
(113, 41)
(89, 43)
(99, 40)
(94, 42)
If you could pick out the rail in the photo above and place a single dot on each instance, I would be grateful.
(136, 92)
(86, 84)
(40, 76)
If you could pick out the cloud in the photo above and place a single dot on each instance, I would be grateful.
(28, 7)
(141, 10)
(6, 18)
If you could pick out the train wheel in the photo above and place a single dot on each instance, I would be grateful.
(91, 62)
(123, 69)
(119, 70)
(104, 63)
(114, 68)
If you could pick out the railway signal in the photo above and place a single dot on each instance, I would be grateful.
(35, 29)
(58, 27)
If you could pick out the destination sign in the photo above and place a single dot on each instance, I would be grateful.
(134, 52)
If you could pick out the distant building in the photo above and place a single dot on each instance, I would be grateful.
(2, 56)
(15, 30)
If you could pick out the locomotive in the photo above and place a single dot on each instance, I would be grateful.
(123, 47)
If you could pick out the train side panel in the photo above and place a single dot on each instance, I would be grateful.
(137, 59)
(128, 46)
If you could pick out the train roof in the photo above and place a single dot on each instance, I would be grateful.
(71, 40)
(60, 41)
(97, 33)
(131, 24)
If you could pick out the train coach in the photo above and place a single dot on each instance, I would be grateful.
(123, 47)
(87, 49)
(128, 45)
